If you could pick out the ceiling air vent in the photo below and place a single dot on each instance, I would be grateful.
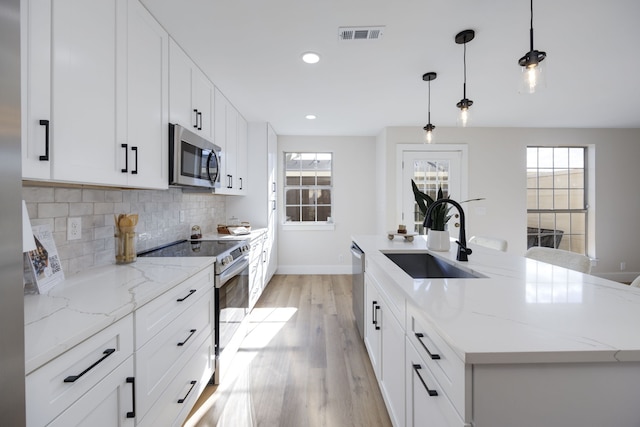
(360, 33)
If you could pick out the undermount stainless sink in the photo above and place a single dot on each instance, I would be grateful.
(426, 266)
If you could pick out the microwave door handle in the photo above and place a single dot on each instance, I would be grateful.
(214, 177)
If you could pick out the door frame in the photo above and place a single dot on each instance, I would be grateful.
(463, 149)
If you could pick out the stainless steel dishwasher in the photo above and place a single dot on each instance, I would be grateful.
(357, 286)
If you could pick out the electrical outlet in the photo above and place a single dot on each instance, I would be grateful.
(74, 228)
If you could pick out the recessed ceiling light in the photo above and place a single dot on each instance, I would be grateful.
(310, 117)
(310, 57)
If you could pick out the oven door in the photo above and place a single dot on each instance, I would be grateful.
(232, 302)
(194, 160)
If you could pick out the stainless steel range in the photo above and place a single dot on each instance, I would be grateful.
(231, 283)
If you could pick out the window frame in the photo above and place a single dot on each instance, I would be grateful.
(584, 210)
(308, 225)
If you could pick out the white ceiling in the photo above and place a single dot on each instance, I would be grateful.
(251, 49)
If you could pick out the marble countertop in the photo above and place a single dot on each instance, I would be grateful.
(88, 302)
(524, 311)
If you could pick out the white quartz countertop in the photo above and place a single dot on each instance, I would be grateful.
(88, 302)
(524, 311)
(218, 236)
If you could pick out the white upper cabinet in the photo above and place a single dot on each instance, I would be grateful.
(106, 103)
(147, 109)
(231, 135)
(191, 94)
(36, 88)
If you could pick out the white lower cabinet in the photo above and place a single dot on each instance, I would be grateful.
(384, 339)
(91, 374)
(256, 269)
(147, 368)
(426, 402)
(174, 404)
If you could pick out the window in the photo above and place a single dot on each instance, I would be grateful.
(556, 198)
(308, 186)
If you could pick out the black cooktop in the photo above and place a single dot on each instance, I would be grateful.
(189, 248)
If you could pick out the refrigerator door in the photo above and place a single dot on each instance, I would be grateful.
(12, 399)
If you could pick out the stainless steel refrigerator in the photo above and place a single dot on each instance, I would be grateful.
(12, 398)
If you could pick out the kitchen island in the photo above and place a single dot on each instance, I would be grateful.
(525, 343)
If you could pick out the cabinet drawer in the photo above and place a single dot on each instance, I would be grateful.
(47, 393)
(165, 354)
(442, 361)
(108, 404)
(424, 395)
(174, 404)
(154, 316)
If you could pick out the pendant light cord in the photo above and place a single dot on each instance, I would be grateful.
(429, 105)
(531, 29)
(464, 62)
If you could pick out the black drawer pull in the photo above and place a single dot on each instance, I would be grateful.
(45, 123)
(126, 158)
(72, 378)
(132, 381)
(193, 331)
(433, 356)
(193, 383)
(195, 116)
(199, 121)
(416, 368)
(191, 291)
(135, 171)
(241, 184)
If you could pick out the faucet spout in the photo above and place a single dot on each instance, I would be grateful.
(463, 250)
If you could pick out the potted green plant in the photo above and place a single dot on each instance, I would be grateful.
(438, 235)
(440, 215)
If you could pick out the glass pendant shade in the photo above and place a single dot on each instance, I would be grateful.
(428, 133)
(533, 77)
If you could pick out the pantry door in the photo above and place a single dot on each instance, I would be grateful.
(431, 168)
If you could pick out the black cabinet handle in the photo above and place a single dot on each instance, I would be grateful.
(229, 181)
(72, 378)
(373, 312)
(193, 383)
(433, 356)
(195, 116)
(132, 381)
(193, 331)
(416, 369)
(135, 171)
(191, 291)
(45, 123)
(273, 187)
(126, 158)
(377, 326)
(199, 119)
(240, 183)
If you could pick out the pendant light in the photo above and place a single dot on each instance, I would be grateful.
(531, 63)
(428, 129)
(462, 38)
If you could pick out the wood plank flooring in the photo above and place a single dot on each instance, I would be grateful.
(302, 363)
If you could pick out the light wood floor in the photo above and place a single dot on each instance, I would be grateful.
(302, 363)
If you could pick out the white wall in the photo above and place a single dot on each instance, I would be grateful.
(497, 163)
(356, 186)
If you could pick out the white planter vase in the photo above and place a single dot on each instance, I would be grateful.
(438, 240)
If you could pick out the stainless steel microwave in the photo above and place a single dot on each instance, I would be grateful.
(193, 160)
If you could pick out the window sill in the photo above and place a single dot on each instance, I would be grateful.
(320, 226)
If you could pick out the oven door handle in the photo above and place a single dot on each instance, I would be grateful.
(239, 265)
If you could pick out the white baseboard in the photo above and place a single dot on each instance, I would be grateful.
(314, 269)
